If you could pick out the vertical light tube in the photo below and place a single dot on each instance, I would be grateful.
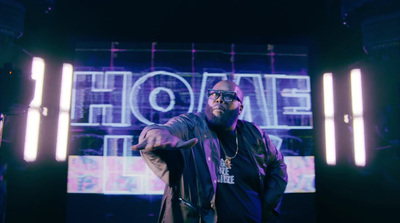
(2, 117)
(63, 116)
(329, 112)
(358, 117)
(33, 117)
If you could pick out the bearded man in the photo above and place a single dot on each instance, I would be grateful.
(216, 167)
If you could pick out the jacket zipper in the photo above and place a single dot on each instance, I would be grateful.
(189, 205)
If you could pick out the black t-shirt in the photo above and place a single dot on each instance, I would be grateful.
(237, 199)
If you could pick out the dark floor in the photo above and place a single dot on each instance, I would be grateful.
(343, 195)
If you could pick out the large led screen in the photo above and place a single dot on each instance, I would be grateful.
(119, 88)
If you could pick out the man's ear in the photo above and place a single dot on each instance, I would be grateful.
(240, 109)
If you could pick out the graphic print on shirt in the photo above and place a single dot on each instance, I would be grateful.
(223, 174)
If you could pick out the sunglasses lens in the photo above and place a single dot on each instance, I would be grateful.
(213, 94)
(227, 96)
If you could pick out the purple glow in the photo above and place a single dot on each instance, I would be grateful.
(233, 59)
(153, 50)
(130, 175)
(193, 57)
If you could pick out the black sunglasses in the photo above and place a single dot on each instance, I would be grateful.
(227, 96)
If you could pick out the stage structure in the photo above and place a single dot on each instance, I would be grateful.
(119, 88)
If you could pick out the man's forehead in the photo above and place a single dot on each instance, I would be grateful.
(225, 86)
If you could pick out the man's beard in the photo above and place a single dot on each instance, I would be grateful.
(224, 121)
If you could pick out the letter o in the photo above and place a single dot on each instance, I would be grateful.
(153, 101)
(137, 86)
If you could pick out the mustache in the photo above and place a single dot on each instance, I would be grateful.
(218, 107)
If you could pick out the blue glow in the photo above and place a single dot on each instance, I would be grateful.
(102, 99)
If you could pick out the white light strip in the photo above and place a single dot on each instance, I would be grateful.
(2, 117)
(358, 119)
(33, 117)
(63, 116)
(330, 144)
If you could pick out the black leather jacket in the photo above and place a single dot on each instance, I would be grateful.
(189, 194)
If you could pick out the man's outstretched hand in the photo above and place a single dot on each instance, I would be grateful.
(162, 139)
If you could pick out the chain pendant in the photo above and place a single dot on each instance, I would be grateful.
(228, 162)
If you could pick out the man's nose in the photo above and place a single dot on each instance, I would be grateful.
(220, 99)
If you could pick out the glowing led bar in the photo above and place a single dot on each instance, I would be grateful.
(330, 145)
(63, 116)
(1, 127)
(358, 119)
(33, 117)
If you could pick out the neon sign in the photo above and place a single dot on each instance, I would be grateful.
(273, 101)
(110, 108)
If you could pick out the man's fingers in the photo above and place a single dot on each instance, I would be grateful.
(188, 144)
(140, 146)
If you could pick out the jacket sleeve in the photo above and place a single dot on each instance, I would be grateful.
(275, 180)
(167, 165)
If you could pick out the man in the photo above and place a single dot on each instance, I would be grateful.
(216, 167)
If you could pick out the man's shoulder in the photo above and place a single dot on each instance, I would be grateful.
(250, 125)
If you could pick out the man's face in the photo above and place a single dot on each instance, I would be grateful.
(220, 111)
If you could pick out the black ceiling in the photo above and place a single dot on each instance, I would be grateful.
(176, 20)
(54, 26)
